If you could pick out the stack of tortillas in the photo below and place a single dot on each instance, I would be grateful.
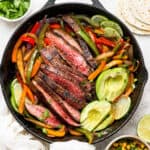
(135, 14)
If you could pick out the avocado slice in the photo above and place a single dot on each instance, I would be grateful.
(121, 107)
(108, 121)
(111, 83)
(94, 113)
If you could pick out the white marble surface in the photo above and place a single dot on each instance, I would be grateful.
(144, 41)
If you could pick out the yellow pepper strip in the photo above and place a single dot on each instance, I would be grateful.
(38, 123)
(20, 65)
(129, 88)
(104, 56)
(29, 94)
(74, 132)
(22, 101)
(28, 55)
(15, 50)
(36, 66)
(112, 64)
(56, 133)
(100, 68)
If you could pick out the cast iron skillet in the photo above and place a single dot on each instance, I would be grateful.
(8, 69)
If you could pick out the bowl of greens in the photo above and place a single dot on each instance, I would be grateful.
(14, 10)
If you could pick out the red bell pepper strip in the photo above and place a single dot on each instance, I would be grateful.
(47, 41)
(104, 41)
(28, 39)
(35, 27)
(55, 26)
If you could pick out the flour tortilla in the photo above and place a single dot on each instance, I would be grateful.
(127, 15)
(132, 28)
(141, 10)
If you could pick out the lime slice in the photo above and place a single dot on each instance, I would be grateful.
(111, 33)
(112, 24)
(143, 129)
(98, 19)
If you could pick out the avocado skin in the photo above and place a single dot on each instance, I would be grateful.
(111, 83)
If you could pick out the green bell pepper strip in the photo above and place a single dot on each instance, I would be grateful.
(88, 134)
(13, 103)
(41, 36)
(89, 41)
(87, 19)
(30, 65)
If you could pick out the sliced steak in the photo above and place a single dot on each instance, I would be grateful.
(70, 21)
(61, 72)
(43, 114)
(55, 105)
(51, 55)
(69, 53)
(74, 113)
(68, 39)
(86, 53)
(64, 93)
(70, 86)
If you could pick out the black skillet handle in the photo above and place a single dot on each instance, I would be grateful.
(96, 3)
(49, 3)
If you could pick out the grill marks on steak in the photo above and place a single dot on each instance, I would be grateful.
(58, 62)
(71, 22)
(74, 113)
(56, 65)
(43, 114)
(70, 86)
(87, 54)
(61, 72)
(53, 103)
(70, 54)
(68, 39)
(64, 93)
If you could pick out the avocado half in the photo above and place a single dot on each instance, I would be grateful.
(111, 83)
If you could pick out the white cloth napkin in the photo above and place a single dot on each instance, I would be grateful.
(12, 135)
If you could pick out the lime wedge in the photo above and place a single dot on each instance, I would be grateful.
(143, 129)
(98, 19)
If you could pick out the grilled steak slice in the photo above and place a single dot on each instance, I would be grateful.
(69, 53)
(68, 39)
(43, 114)
(87, 54)
(74, 113)
(70, 86)
(70, 21)
(51, 55)
(64, 93)
(61, 72)
(54, 104)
